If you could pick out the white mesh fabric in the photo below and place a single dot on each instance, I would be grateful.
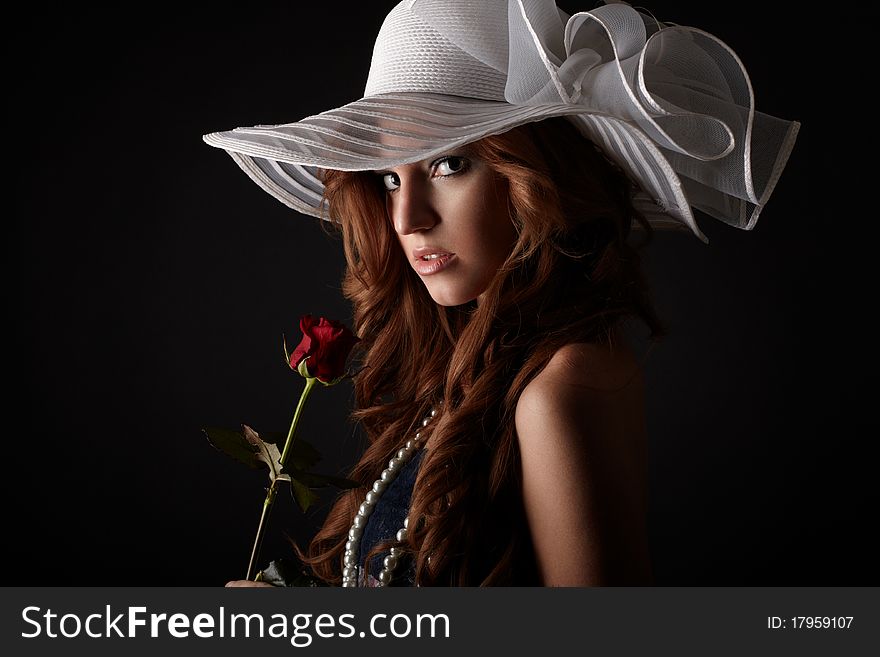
(672, 105)
(412, 55)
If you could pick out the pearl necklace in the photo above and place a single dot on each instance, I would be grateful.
(389, 474)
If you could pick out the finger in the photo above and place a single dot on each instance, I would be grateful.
(247, 583)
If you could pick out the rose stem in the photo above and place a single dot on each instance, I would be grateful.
(270, 493)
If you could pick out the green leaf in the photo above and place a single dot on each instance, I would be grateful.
(288, 572)
(302, 483)
(302, 494)
(266, 452)
(234, 444)
(303, 455)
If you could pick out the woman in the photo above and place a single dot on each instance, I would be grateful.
(486, 189)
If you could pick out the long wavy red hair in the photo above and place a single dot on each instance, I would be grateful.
(572, 276)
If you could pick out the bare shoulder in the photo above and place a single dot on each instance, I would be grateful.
(581, 433)
(582, 376)
(594, 366)
(589, 398)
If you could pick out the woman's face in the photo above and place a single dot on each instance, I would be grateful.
(454, 205)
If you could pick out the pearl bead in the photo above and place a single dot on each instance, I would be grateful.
(349, 573)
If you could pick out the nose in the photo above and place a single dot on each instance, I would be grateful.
(410, 206)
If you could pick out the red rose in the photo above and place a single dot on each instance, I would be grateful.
(326, 344)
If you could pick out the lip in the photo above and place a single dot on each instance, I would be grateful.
(428, 267)
(428, 250)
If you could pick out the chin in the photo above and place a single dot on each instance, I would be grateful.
(444, 301)
(449, 298)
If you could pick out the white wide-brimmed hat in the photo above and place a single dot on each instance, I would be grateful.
(671, 105)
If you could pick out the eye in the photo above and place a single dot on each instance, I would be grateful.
(451, 165)
(390, 181)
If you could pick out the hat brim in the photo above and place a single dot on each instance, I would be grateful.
(388, 130)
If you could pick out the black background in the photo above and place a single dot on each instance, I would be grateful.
(150, 281)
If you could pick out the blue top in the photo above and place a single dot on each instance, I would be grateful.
(384, 522)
